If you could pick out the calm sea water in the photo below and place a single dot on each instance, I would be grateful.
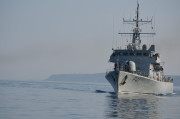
(82, 100)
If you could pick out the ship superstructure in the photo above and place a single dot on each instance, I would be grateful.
(137, 68)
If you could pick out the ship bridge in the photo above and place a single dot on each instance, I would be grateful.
(144, 58)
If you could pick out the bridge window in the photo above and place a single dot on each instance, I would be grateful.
(125, 53)
(113, 54)
(139, 54)
(119, 53)
(132, 54)
(146, 54)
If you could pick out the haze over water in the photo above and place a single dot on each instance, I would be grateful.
(42, 37)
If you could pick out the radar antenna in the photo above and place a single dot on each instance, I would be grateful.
(136, 41)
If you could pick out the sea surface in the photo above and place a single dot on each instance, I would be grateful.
(82, 99)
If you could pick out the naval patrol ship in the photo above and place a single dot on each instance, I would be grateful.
(137, 68)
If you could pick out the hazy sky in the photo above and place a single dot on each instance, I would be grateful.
(43, 37)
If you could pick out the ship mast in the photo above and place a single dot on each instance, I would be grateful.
(136, 41)
(137, 16)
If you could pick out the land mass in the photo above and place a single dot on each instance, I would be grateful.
(98, 77)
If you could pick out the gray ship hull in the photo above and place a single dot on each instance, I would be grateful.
(125, 82)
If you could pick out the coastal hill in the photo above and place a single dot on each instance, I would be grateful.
(98, 77)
